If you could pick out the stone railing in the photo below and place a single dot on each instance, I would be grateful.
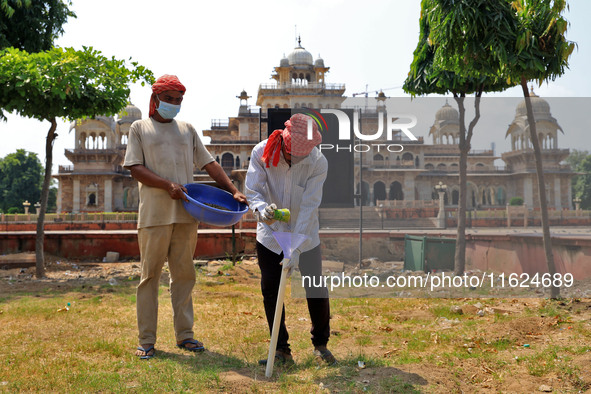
(83, 217)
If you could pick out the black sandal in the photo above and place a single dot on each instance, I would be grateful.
(198, 348)
(146, 356)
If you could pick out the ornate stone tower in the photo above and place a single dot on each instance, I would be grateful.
(96, 182)
(521, 161)
(446, 128)
(300, 82)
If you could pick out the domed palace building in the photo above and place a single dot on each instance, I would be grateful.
(411, 175)
(96, 181)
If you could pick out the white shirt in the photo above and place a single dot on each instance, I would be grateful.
(297, 188)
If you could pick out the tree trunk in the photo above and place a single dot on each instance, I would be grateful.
(555, 291)
(460, 256)
(40, 258)
(465, 139)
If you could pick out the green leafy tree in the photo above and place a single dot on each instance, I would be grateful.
(525, 41)
(21, 178)
(516, 201)
(583, 185)
(574, 160)
(444, 37)
(52, 199)
(32, 25)
(66, 83)
(541, 53)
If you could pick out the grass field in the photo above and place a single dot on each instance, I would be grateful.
(404, 345)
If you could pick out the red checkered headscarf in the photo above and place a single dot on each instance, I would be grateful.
(162, 84)
(295, 139)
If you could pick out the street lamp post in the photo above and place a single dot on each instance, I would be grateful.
(26, 205)
(441, 188)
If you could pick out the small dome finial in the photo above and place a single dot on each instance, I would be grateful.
(299, 40)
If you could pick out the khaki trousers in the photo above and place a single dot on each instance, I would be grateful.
(177, 243)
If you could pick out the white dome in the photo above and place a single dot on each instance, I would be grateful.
(129, 114)
(539, 106)
(447, 112)
(284, 62)
(300, 56)
(319, 62)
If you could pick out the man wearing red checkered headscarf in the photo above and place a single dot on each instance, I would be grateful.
(297, 130)
(287, 170)
(162, 153)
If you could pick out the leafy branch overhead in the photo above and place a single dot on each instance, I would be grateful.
(32, 25)
(68, 83)
(492, 42)
(448, 59)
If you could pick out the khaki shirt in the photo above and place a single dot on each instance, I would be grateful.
(170, 150)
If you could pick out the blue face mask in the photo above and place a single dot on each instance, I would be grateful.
(167, 110)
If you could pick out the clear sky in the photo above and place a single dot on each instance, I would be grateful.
(219, 48)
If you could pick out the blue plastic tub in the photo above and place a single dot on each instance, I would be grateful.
(200, 194)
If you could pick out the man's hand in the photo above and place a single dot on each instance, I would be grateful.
(177, 191)
(290, 264)
(240, 197)
(267, 215)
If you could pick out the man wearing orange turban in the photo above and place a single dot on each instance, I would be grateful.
(161, 154)
(287, 170)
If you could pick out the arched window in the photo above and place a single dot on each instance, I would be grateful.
(407, 156)
(379, 191)
(227, 161)
(501, 196)
(441, 167)
(455, 197)
(396, 192)
(92, 195)
(102, 141)
(429, 166)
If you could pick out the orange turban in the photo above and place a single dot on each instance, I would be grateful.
(162, 84)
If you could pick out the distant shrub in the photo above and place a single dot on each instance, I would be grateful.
(515, 201)
(12, 210)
